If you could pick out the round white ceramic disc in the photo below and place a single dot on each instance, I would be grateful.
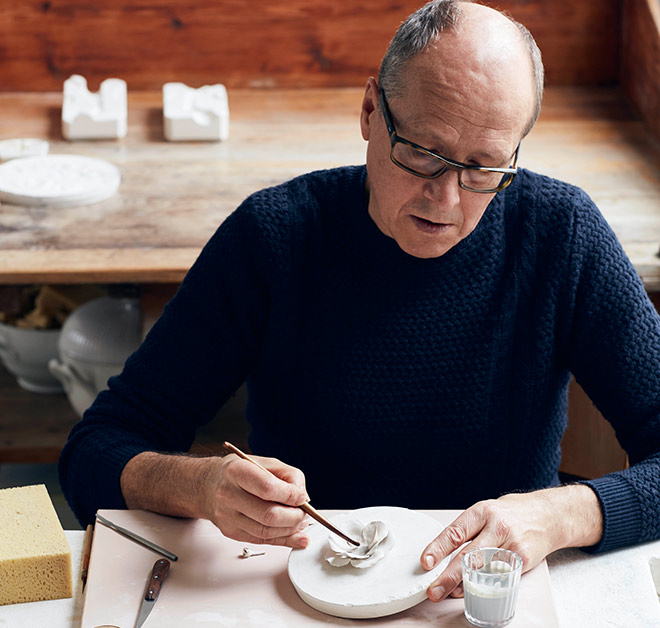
(392, 585)
(58, 180)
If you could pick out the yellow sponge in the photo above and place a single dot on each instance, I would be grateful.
(35, 557)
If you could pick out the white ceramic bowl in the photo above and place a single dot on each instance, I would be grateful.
(96, 339)
(26, 352)
(14, 148)
(103, 331)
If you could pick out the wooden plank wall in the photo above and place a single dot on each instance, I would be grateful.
(276, 43)
(640, 59)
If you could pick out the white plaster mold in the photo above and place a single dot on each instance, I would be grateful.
(93, 115)
(388, 586)
(195, 114)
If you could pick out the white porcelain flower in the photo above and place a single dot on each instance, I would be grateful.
(375, 542)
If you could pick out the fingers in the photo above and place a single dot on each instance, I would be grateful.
(520, 523)
(284, 484)
(243, 528)
(285, 472)
(458, 591)
(296, 541)
(256, 506)
(463, 529)
(450, 581)
(290, 475)
(267, 515)
(457, 533)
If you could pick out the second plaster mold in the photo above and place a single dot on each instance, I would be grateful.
(195, 114)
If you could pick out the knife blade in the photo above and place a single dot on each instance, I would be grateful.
(158, 574)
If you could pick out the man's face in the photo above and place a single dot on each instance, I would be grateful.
(458, 114)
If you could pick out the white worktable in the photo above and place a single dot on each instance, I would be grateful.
(614, 590)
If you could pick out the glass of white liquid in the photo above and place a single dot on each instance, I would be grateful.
(490, 585)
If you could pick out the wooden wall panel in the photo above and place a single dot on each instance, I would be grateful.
(640, 59)
(278, 43)
(579, 39)
(589, 447)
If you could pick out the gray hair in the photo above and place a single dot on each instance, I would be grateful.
(424, 26)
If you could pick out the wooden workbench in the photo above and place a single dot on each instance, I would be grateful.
(174, 195)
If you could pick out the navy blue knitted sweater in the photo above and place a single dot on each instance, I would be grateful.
(393, 380)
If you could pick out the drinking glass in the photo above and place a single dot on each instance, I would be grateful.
(491, 576)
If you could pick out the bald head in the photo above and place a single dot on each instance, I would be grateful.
(487, 37)
(497, 55)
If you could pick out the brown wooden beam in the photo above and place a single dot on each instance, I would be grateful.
(282, 43)
(640, 59)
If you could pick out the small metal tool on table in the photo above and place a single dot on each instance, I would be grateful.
(136, 538)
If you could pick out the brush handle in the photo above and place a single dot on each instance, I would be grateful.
(315, 514)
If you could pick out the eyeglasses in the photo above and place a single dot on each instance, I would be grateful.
(424, 163)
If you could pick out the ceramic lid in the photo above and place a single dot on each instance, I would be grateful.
(103, 331)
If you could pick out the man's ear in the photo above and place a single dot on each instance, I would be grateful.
(369, 107)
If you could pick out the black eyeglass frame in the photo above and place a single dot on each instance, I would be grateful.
(448, 164)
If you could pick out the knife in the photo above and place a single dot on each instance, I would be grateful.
(158, 574)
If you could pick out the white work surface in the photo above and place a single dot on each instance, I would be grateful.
(614, 590)
(212, 586)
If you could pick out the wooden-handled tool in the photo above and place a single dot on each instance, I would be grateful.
(312, 512)
(158, 574)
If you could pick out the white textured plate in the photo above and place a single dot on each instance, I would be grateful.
(392, 585)
(58, 180)
(22, 147)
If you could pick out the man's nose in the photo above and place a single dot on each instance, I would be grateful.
(444, 190)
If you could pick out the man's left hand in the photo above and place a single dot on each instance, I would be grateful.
(531, 524)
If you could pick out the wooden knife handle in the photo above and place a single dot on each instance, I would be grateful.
(158, 575)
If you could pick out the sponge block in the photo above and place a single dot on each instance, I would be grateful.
(35, 557)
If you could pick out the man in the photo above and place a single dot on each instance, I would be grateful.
(406, 332)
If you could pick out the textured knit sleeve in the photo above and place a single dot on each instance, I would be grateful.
(193, 359)
(614, 353)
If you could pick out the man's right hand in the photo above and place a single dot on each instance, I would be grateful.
(248, 504)
(244, 502)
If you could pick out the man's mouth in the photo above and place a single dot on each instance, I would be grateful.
(430, 227)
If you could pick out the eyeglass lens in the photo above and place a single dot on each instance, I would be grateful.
(428, 165)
